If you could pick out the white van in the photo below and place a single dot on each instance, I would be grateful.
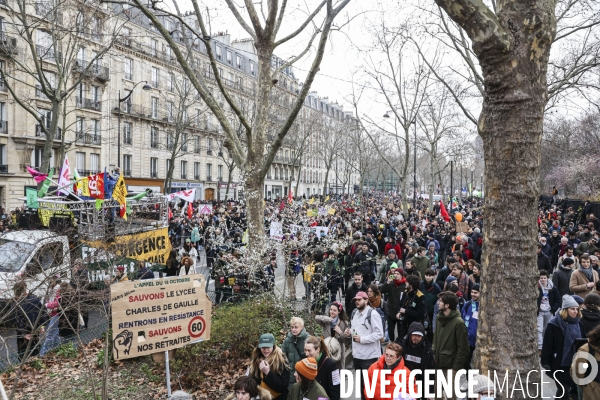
(34, 256)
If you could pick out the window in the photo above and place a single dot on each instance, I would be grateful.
(128, 69)
(218, 51)
(170, 141)
(209, 143)
(79, 127)
(154, 47)
(127, 165)
(94, 163)
(238, 60)
(96, 94)
(154, 106)
(169, 52)
(197, 144)
(80, 161)
(208, 172)
(170, 82)
(155, 77)
(220, 172)
(127, 133)
(3, 160)
(183, 169)
(81, 56)
(170, 109)
(184, 143)
(276, 173)
(1, 80)
(197, 171)
(252, 68)
(95, 131)
(228, 57)
(127, 103)
(154, 137)
(154, 167)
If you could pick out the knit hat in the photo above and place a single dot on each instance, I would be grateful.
(450, 278)
(392, 251)
(568, 301)
(568, 261)
(578, 299)
(307, 367)
(475, 287)
(121, 268)
(481, 383)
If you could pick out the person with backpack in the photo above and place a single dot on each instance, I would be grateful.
(377, 303)
(412, 306)
(470, 314)
(394, 288)
(366, 331)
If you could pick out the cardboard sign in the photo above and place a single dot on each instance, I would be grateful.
(151, 316)
(462, 226)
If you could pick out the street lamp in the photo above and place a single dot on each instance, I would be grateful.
(451, 180)
(146, 87)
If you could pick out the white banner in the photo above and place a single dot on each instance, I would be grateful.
(65, 177)
(205, 209)
(187, 195)
(276, 230)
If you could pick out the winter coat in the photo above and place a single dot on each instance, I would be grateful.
(394, 297)
(263, 394)
(385, 266)
(552, 346)
(314, 392)
(430, 291)
(144, 273)
(325, 322)
(29, 315)
(278, 382)
(421, 263)
(442, 275)
(419, 356)
(578, 283)
(554, 298)
(585, 247)
(471, 317)
(561, 280)
(365, 262)
(544, 263)
(450, 343)
(380, 365)
(328, 376)
(350, 293)
(590, 319)
(293, 349)
(414, 305)
(592, 389)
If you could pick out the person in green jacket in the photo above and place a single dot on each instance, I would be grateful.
(450, 343)
(306, 388)
(293, 345)
(421, 262)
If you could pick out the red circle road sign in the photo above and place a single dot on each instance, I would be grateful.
(196, 327)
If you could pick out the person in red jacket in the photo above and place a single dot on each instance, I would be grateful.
(392, 244)
(391, 361)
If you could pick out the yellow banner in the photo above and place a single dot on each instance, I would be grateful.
(84, 185)
(119, 194)
(153, 246)
(50, 210)
(326, 199)
(311, 201)
(331, 211)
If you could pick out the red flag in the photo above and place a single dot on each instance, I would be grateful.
(170, 213)
(282, 205)
(190, 210)
(290, 197)
(444, 213)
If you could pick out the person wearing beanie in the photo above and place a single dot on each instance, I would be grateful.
(120, 275)
(562, 277)
(558, 347)
(306, 387)
(393, 245)
(470, 314)
(328, 375)
(390, 262)
(590, 312)
(548, 303)
(584, 278)
(482, 386)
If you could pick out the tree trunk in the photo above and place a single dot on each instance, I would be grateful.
(513, 54)
(325, 192)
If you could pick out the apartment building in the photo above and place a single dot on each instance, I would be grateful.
(135, 109)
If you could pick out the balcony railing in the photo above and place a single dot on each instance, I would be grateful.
(127, 139)
(3, 169)
(4, 127)
(96, 70)
(89, 138)
(196, 177)
(46, 53)
(127, 172)
(183, 176)
(39, 132)
(8, 44)
(88, 104)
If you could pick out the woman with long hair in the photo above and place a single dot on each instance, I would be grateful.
(306, 386)
(172, 265)
(334, 326)
(328, 374)
(558, 346)
(269, 367)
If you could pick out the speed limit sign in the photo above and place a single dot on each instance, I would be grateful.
(196, 327)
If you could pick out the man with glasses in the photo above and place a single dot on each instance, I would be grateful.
(366, 330)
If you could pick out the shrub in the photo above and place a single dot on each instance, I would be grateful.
(67, 350)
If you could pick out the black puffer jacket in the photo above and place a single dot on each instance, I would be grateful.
(590, 320)
(561, 280)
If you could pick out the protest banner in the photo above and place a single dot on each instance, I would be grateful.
(205, 209)
(462, 227)
(151, 246)
(158, 315)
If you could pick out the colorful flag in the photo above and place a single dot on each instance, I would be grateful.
(290, 197)
(140, 196)
(444, 212)
(326, 199)
(44, 189)
(331, 211)
(93, 186)
(120, 194)
(312, 200)
(282, 205)
(37, 176)
(31, 198)
(170, 214)
(190, 210)
(64, 180)
(99, 204)
(454, 203)
(187, 195)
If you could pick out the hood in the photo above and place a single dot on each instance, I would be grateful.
(565, 269)
(416, 327)
(444, 319)
(590, 315)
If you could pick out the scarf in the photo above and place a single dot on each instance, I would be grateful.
(375, 301)
(399, 282)
(570, 330)
(588, 273)
(463, 283)
(334, 322)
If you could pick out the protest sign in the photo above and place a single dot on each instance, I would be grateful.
(205, 209)
(462, 227)
(158, 315)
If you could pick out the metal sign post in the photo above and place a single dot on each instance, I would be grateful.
(168, 375)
